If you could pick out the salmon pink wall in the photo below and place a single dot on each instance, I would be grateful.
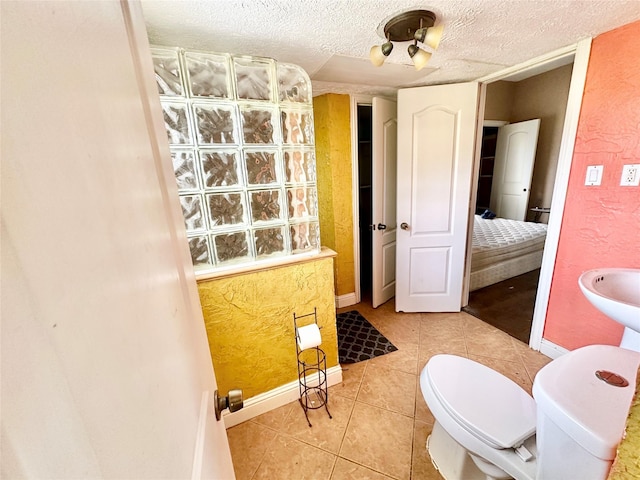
(601, 224)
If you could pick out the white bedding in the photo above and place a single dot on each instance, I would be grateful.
(504, 248)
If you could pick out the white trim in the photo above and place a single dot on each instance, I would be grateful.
(475, 176)
(346, 300)
(534, 66)
(355, 100)
(196, 469)
(565, 158)
(494, 123)
(552, 350)
(265, 402)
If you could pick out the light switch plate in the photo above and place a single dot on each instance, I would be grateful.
(594, 175)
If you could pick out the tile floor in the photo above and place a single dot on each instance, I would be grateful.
(380, 420)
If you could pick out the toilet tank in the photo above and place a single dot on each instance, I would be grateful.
(581, 418)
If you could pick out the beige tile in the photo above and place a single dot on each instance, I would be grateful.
(363, 308)
(482, 339)
(325, 433)
(386, 309)
(389, 306)
(404, 359)
(276, 418)
(473, 323)
(422, 411)
(389, 389)
(352, 374)
(441, 326)
(346, 470)
(442, 333)
(533, 361)
(421, 465)
(248, 443)
(399, 327)
(288, 458)
(433, 346)
(513, 370)
(380, 440)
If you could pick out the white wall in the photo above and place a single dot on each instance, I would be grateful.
(105, 361)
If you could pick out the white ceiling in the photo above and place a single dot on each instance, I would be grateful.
(331, 39)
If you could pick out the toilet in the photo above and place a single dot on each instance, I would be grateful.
(488, 427)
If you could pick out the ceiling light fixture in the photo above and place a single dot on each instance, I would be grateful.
(416, 26)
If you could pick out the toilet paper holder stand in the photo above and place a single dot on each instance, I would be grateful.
(312, 370)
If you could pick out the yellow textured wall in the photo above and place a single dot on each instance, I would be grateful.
(335, 202)
(249, 322)
(627, 463)
(322, 116)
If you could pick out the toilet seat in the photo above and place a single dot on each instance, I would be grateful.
(490, 406)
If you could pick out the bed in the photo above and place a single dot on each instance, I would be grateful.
(503, 248)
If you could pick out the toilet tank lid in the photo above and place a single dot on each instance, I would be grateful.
(488, 404)
(586, 408)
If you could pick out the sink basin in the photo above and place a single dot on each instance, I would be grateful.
(616, 293)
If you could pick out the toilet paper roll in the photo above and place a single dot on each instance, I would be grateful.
(309, 336)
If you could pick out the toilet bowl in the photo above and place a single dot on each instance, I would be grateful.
(487, 426)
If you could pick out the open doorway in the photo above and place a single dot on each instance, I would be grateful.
(579, 54)
(508, 303)
(373, 133)
(365, 203)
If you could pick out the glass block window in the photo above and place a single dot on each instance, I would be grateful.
(240, 130)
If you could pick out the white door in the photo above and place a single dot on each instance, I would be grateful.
(106, 371)
(436, 146)
(384, 131)
(513, 169)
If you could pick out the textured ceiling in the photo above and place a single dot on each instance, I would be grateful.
(330, 37)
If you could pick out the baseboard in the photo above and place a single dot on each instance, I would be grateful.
(265, 402)
(346, 300)
(551, 350)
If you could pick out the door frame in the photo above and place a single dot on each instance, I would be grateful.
(384, 126)
(354, 101)
(580, 53)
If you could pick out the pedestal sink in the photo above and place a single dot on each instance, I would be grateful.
(616, 293)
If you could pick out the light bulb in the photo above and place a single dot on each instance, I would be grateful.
(419, 57)
(430, 36)
(379, 54)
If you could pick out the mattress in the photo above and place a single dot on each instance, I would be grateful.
(503, 248)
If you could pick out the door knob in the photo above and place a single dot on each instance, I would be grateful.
(404, 226)
(233, 401)
(382, 226)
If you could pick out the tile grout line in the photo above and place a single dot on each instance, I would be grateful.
(352, 409)
(265, 450)
(368, 467)
(524, 365)
(333, 468)
(413, 433)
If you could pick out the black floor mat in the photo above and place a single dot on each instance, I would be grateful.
(358, 340)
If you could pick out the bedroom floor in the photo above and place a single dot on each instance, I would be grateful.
(380, 420)
(507, 305)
